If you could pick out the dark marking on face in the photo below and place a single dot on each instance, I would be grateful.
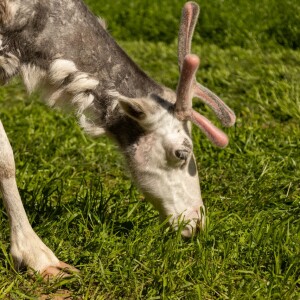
(120, 126)
(163, 103)
(187, 144)
(192, 168)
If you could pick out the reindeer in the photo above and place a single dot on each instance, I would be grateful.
(62, 49)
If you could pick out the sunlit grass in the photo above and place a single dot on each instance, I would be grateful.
(81, 201)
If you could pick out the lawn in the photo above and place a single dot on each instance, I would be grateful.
(80, 199)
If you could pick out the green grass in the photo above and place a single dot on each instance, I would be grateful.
(80, 199)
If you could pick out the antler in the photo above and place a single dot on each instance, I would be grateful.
(189, 17)
(189, 87)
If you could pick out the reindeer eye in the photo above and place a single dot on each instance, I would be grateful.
(182, 154)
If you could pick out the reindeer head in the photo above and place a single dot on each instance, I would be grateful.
(161, 160)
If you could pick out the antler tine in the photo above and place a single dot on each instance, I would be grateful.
(183, 105)
(213, 133)
(189, 87)
(189, 17)
(222, 111)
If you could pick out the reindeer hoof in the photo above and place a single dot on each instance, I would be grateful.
(60, 271)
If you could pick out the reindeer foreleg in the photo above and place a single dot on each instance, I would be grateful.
(27, 249)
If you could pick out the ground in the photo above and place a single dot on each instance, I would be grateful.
(80, 200)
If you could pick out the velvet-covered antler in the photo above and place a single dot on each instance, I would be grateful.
(189, 87)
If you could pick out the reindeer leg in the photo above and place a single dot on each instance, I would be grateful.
(27, 249)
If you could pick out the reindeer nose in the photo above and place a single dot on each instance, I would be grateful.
(192, 228)
(187, 232)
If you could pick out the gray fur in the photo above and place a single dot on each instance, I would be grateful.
(43, 31)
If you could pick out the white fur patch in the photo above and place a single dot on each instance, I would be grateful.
(102, 22)
(70, 88)
(32, 76)
(67, 82)
(89, 127)
(83, 102)
(57, 97)
(81, 82)
(7, 164)
(17, 13)
(60, 69)
(9, 64)
(1, 42)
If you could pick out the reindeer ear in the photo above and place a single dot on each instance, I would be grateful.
(139, 109)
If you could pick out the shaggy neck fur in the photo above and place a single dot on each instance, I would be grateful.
(61, 48)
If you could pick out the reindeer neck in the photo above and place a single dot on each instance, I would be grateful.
(74, 33)
(67, 31)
